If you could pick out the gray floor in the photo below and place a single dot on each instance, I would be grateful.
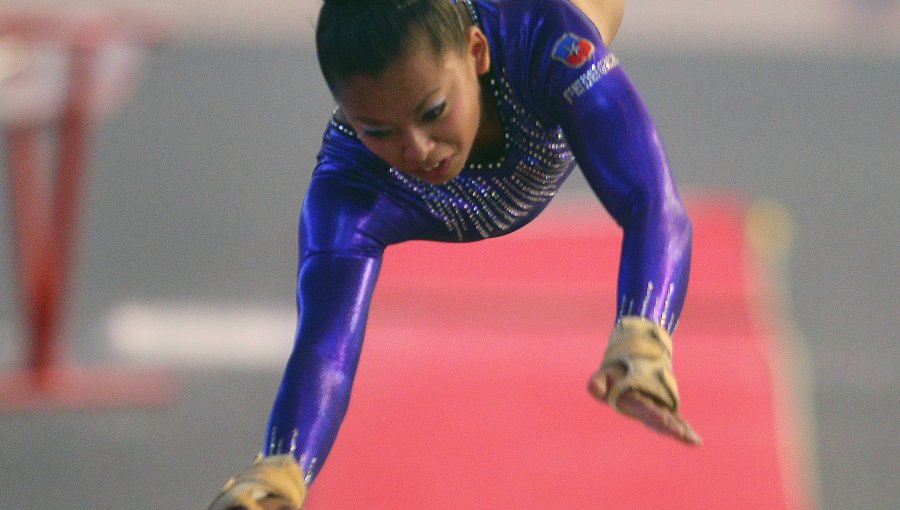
(194, 197)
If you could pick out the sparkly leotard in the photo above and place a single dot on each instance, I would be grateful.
(562, 97)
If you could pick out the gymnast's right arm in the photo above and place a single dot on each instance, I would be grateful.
(334, 287)
(337, 273)
(346, 222)
(338, 268)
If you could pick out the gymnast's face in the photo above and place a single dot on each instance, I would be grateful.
(422, 113)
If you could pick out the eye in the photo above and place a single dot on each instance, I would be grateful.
(435, 112)
(376, 133)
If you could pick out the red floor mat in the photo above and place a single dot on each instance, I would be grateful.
(471, 390)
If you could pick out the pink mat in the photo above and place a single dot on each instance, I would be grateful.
(471, 390)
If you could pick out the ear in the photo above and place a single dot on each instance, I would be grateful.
(479, 50)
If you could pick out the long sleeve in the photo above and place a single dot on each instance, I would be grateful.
(334, 292)
(340, 256)
(620, 152)
(354, 208)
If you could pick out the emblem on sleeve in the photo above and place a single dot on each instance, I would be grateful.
(590, 77)
(572, 50)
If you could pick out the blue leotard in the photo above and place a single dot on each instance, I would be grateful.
(562, 98)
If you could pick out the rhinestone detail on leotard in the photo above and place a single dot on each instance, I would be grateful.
(490, 198)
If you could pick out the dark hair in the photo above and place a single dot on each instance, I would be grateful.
(365, 36)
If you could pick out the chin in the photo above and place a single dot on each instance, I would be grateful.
(455, 168)
(437, 180)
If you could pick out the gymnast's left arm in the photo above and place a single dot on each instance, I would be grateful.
(621, 154)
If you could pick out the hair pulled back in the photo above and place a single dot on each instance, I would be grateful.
(365, 36)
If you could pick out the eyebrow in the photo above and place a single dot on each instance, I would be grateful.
(419, 108)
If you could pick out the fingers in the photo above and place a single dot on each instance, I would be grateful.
(598, 386)
(658, 418)
(600, 383)
(643, 408)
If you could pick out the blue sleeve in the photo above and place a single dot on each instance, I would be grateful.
(583, 88)
(350, 214)
(338, 269)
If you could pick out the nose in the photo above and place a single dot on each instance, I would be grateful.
(417, 146)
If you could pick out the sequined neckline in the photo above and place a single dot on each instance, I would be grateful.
(496, 93)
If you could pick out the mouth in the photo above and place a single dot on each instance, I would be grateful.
(436, 172)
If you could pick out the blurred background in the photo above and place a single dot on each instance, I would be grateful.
(191, 200)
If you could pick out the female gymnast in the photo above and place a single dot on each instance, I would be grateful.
(458, 120)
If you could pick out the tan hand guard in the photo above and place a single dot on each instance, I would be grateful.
(644, 349)
(276, 476)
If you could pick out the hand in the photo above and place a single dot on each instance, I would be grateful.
(270, 483)
(642, 407)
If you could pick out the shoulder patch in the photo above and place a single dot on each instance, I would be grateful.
(572, 50)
